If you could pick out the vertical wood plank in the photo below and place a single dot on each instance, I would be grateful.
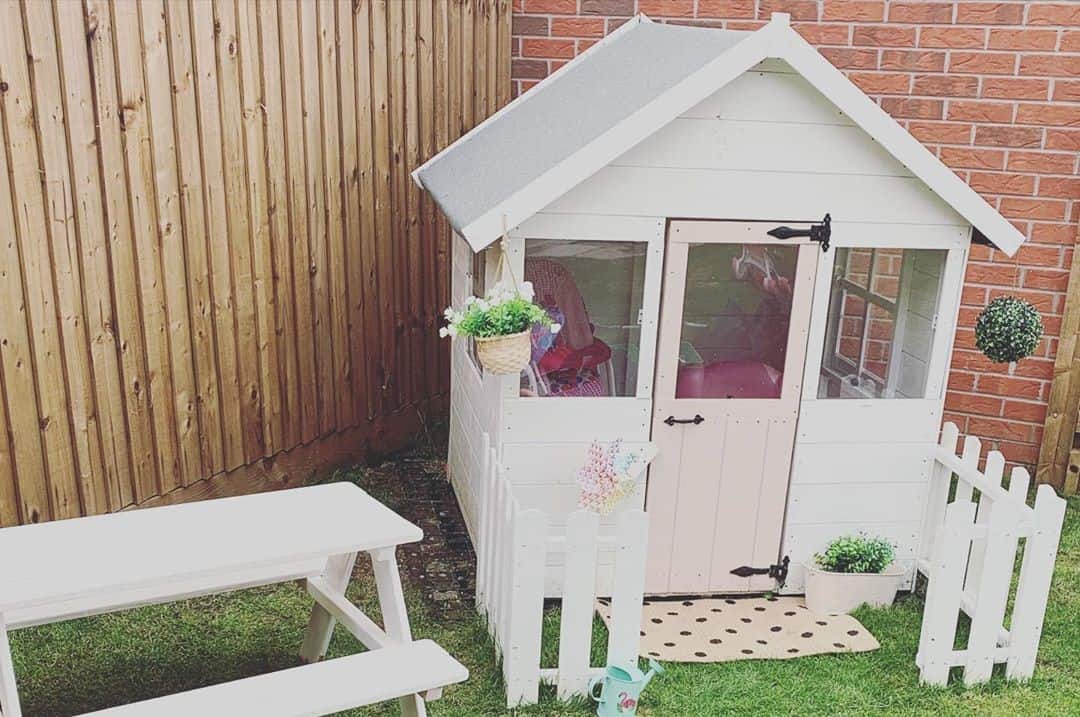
(370, 333)
(238, 222)
(627, 593)
(281, 237)
(428, 100)
(172, 272)
(1033, 589)
(55, 492)
(413, 271)
(262, 267)
(943, 593)
(384, 202)
(299, 229)
(333, 187)
(993, 470)
(522, 638)
(196, 255)
(23, 460)
(995, 566)
(440, 249)
(316, 211)
(468, 65)
(578, 605)
(937, 493)
(399, 383)
(352, 207)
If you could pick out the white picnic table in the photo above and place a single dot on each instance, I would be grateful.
(66, 569)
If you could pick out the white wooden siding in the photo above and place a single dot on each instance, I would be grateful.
(768, 146)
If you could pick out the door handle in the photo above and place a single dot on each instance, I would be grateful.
(696, 420)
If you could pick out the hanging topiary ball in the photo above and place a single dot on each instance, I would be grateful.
(1008, 329)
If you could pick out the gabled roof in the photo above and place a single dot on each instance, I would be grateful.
(621, 91)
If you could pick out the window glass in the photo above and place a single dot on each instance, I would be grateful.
(593, 289)
(736, 315)
(882, 314)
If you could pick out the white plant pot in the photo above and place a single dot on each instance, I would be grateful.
(835, 593)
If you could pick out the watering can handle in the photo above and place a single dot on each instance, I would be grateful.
(593, 684)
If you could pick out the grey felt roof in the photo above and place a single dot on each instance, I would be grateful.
(572, 108)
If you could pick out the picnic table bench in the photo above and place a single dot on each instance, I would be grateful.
(66, 569)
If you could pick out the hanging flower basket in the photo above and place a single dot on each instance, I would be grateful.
(501, 324)
(1008, 329)
(504, 355)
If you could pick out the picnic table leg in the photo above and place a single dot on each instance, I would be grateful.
(9, 696)
(320, 627)
(395, 615)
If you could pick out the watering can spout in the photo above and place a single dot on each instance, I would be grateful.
(654, 670)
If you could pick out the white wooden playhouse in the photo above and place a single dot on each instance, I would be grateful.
(756, 269)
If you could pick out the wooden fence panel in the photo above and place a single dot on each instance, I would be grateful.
(213, 250)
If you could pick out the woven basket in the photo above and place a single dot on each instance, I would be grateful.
(504, 354)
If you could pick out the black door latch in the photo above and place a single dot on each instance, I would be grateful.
(696, 420)
(820, 233)
(778, 572)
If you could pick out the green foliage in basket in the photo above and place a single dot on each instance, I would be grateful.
(1008, 329)
(504, 311)
(856, 554)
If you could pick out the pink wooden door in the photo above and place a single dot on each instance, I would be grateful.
(734, 319)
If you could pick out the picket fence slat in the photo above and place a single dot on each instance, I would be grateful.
(575, 629)
(628, 592)
(969, 563)
(521, 654)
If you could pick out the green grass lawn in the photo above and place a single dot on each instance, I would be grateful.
(72, 667)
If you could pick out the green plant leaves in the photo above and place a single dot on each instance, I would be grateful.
(1008, 329)
(856, 554)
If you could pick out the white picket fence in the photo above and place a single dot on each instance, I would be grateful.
(512, 554)
(968, 552)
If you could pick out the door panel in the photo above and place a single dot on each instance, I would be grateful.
(734, 320)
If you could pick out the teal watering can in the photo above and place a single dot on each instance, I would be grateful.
(620, 689)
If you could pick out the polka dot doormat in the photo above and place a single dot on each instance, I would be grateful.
(720, 630)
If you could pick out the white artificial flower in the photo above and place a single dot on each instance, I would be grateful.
(527, 290)
(556, 328)
(451, 330)
(483, 304)
(444, 332)
(470, 300)
(449, 313)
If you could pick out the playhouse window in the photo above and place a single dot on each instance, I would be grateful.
(882, 314)
(594, 290)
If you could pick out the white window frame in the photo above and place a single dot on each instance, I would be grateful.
(595, 227)
(955, 239)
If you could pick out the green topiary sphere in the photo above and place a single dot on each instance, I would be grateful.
(1008, 329)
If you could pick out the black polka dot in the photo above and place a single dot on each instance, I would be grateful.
(673, 614)
(747, 651)
(643, 633)
(853, 633)
(808, 634)
(700, 654)
(789, 613)
(793, 650)
(701, 619)
(715, 641)
(838, 644)
(822, 623)
(746, 619)
(654, 654)
(730, 602)
(762, 642)
(771, 598)
(669, 644)
(759, 608)
(716, 609)
(731, 630)
(657, 621)
(684, 633)
(775, 628)
(687, 603)
(646, 602)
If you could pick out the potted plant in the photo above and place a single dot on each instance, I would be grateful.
(854, 570)
(500, 324)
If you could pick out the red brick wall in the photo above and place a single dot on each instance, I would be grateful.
(993, 88)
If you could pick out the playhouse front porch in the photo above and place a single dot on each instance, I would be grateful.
(212, 640)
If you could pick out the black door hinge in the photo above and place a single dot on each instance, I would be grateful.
(820, 233)
(778, 571)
